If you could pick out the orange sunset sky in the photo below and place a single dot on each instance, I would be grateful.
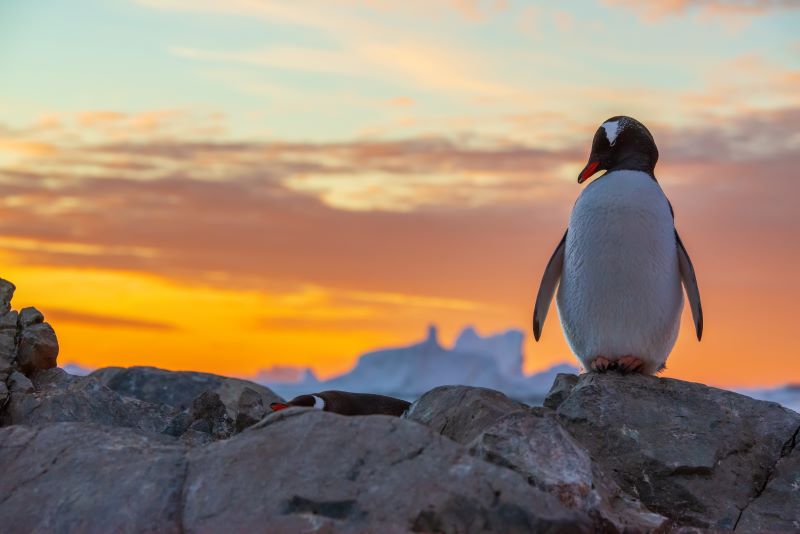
(232, 185)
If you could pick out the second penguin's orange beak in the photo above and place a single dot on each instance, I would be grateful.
(588, 171)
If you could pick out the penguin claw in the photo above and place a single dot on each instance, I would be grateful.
(601, 365)
(625, 365)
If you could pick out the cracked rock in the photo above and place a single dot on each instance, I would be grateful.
(461, 412)
(692, 453)
(180, 388)
(52, 396)
(8, 337)
(37, 348)
(78, 477)
(29, 316)
(250, 409)
(6, 294)
(560, 390)
(20, 384)
(535, 445)
(210, 416)
(320, 471)
(776, 508)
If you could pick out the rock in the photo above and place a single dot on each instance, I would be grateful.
(695, 454)
(5, 369)
(37, 348)
(8, 321)
(250, 409)
(776, 507)
(20, 384)
(304, 469)
(6, 294)
(210, 416)
(179, 388)
(179, 424)
(4, 394)
(535, 445)
(461, 412)
(195, 438)
(29, 316)
(560, 390)
(386, 475)
(76, 477)
(8, 337)
(54, 396)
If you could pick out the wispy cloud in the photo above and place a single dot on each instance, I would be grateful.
(59, 315)
(658, 9)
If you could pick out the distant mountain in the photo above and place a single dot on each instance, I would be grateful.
(788, 396)
(77, 370)
(493, 362)
(279, 374)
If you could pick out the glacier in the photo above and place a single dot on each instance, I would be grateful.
(493, 361)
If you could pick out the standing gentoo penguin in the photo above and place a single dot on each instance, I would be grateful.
(621, 261)
(346, 403)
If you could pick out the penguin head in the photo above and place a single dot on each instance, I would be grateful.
(305, 401)
(621, 143)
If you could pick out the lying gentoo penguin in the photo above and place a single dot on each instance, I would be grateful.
(345, 403)
(621, 261)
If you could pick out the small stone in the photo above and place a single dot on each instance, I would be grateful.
(560, 390)
(210, 415)
(29, 316)
(6, 294)
(20, 383)
(38, 348)
(251, 409)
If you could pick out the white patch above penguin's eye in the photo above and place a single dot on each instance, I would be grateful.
(612, 129)
(319, 403)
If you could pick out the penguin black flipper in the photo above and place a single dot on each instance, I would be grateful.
(552, 274)
(690, 283)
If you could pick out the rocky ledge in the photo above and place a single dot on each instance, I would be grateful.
(143, 449)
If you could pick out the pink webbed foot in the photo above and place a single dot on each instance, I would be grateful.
(630, 364)
(601, 365)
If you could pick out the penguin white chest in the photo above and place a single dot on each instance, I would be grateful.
(620, 292)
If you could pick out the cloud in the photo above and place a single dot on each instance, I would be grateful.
(398, 232)
(658, 9)
(412, 62)
(26, 148)
(359, 215)
(61, 315)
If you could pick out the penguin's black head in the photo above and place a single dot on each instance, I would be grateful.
(621, 143)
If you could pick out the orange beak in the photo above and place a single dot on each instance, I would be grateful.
(278, 406)
(588, 171)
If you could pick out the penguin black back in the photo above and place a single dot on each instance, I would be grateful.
(346, 403)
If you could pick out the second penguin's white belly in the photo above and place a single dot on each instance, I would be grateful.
(620, 291)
